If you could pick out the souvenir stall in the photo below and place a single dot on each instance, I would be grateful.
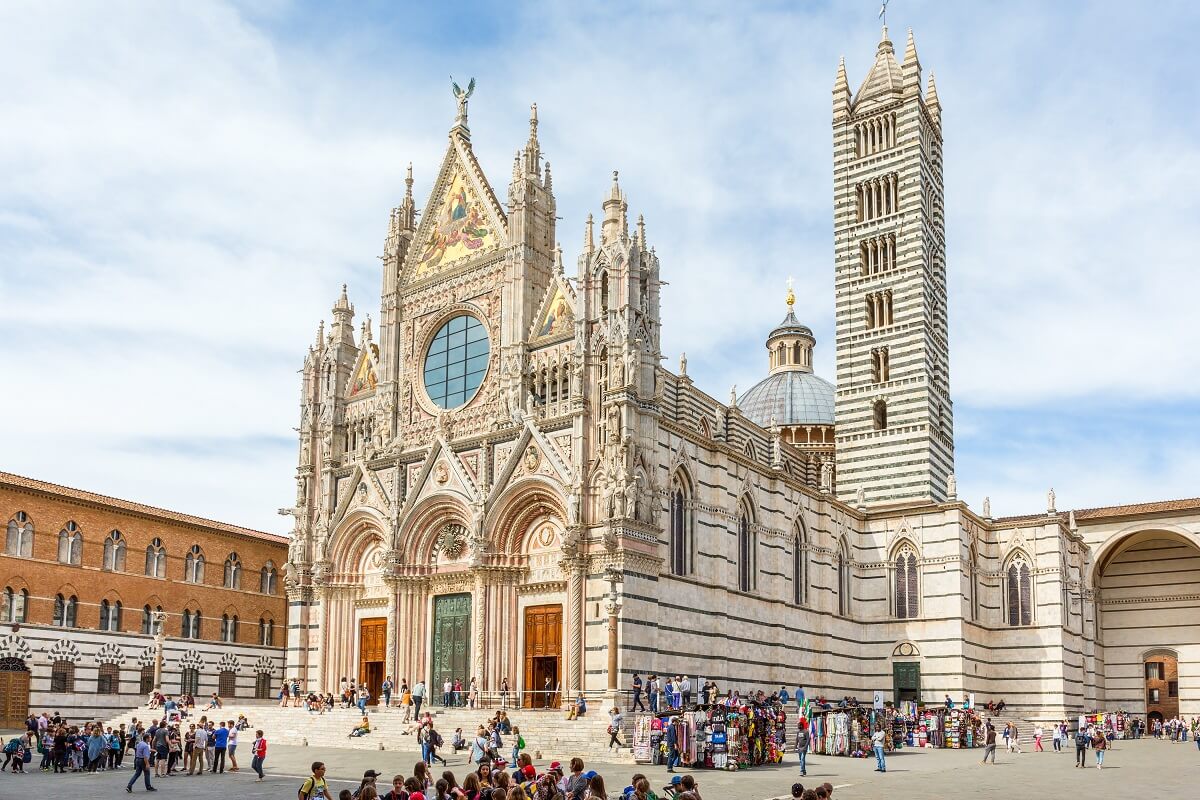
(847, 731)
(943, 727)
(716, 737)
(1115, 725)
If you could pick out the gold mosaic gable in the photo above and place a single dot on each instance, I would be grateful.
(365, 378)
(461, 227)
(557, 318)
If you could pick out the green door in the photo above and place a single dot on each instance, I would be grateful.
(906, 681)
(451, 640)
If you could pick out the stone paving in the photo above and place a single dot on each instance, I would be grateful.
(1143, 768)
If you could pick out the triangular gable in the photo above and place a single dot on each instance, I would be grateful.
(462, 219)
(366, 375)
(441, 471)
(556, 315)
(547, 456)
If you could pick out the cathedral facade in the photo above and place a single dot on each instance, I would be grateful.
(505, 483)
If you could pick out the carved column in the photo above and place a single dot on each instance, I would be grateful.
(391, 666)
(317, 662)
(575, 567)
(479, 646)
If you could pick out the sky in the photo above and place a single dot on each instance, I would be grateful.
(187, 186)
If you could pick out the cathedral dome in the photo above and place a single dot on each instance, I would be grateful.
(791, 394)
(789, 398)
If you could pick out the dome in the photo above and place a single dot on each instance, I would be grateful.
(790, 398)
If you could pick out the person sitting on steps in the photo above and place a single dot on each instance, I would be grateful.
(362, 729)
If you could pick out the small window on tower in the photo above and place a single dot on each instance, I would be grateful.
(879, 415)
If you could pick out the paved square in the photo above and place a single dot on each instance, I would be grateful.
(1133, 769)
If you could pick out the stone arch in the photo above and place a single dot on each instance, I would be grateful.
(229, 662)
(193, 659)
(518, 506)
(64, 650)
(359, 532)
(419, 533)
(1126, 538)
(15, 646)
(110, 653)
(907, 649)
(904, 540)
(146, 658)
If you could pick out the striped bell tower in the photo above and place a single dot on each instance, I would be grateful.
(894, 420)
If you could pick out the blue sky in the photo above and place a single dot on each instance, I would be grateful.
(188, 185)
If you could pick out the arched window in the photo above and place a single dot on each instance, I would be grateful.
(62, 677)
(189, 627)
(146, 679)
(147, 620)
(263, 686)
(747, 551)
(110, 616)
(156, 559)
(19, 541)
(681, 528)
(266, 579)
(193, 565)
(189, 681)
(907, 591)
(65, 610)
(233, 572)
(1020, 592)
(879, 415)
(70, 544)
(114, 552)
(266, 632)
(843, 580)
(603, 283)
(229, 628)
(13, 605)
(973, 582)
(799, 569)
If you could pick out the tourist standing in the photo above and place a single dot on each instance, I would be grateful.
(314, 786)
(1056, 741)
(803, 737)
(141, 764)
(1099, 744)
(447, 688)
(199, 744)
(504, 692)
(518, 744)
(637, 694)
(386, 690)
(1037, 739)
(480, 748)
(653, 691)
(877, 744)
(614, 728)
(231, 747)
(418, 697)
(989, 743)
(1081, 743)
(671, 738)
(685, 692)
(220, 744)
(259, 752)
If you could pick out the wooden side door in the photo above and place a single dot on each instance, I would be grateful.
(372, 652)
(543, 652)
(14, 698)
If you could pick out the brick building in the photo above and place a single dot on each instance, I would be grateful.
(82, 577)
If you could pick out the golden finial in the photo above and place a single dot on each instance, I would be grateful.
(791, 296)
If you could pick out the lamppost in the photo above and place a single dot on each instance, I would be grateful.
(157, 618)
(614, 576)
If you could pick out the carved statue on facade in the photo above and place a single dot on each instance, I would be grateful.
(951, 486)
(826, 477)
(632, 492)
(683, 365)
(1050, 508)
(291, 576)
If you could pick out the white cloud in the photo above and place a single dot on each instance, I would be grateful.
(188, 185)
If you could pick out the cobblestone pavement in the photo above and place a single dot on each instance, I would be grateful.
(1142, 768)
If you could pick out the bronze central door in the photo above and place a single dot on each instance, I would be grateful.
(451, 641)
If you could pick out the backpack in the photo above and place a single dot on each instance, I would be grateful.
(12, 746)
(1081, 739)
(435, 738)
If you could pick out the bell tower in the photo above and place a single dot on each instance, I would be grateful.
(894, 419)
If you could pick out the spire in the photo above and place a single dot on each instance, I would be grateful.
(790, 345)
(408, 208)
(516, 176)
(343, 316)
(885, 76)
(841, 91)
(588, 244)
(558, 262)
(641, 232)
(614, 212)
(910, 50)
(912, 67)
(321, 335)
(548, 184)
(342, 307)
(533, 150)
(365, 332)
(931, 99)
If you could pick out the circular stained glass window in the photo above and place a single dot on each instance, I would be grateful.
(456, 361)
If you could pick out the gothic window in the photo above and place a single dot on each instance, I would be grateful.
(110, 616)
(266, 578)
(681, 527)
(879, 415)
(266, 632)
(156, 559)
(746, 552)
(19, 541)
(1020, 592)
(907, 591)
(799, 569)
(603, 283)
(973, 583)
(70, 544)
(65, 609)
(114, 552)
(233, 572)
(880, 366)
(876, 255)
(189, 681)
(62, 677)
(878, 306)
(229, 628)
(147, 620)
(877, 197)
(193, 565)
(13, 605)
(108, 679)
(843, 580)
(189, 627)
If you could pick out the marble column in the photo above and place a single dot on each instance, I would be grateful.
(575, 567)
(479, 613)
(391, 666)
(317, 658)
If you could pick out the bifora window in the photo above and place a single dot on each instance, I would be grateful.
(456, 361)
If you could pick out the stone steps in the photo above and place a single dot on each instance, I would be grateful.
(547, 732)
